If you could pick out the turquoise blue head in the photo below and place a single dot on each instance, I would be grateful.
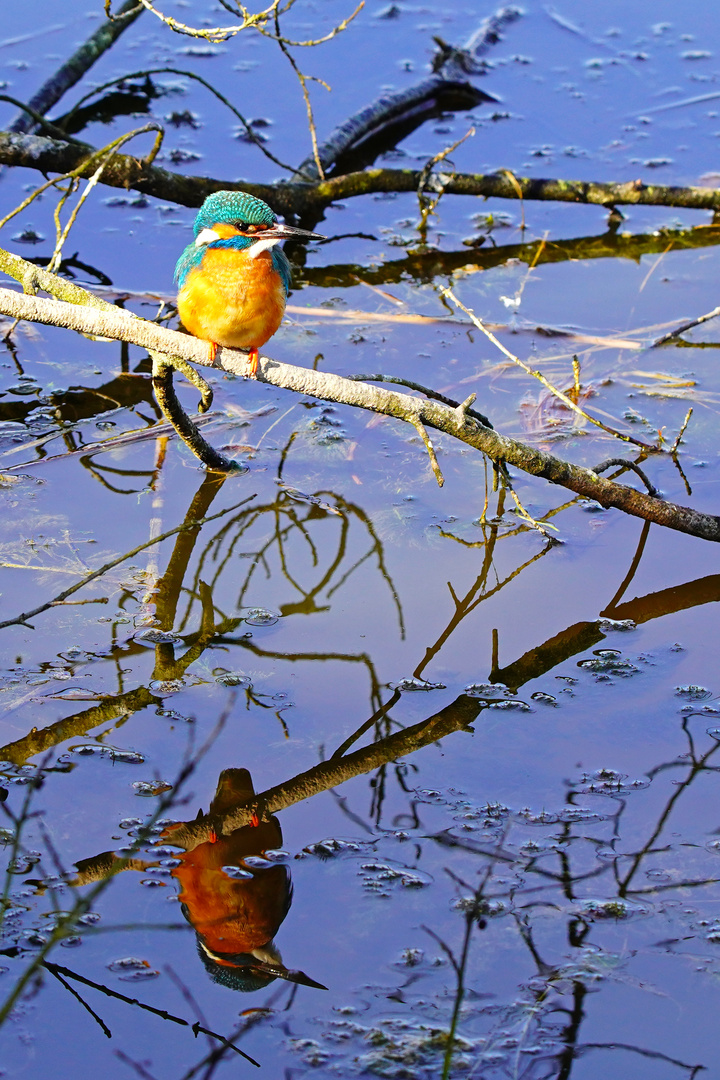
(233, 208)
(251, 222)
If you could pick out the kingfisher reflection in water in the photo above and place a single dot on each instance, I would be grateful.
(236, 917)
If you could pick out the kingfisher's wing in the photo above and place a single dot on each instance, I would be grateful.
(191, 258)
(282, 266)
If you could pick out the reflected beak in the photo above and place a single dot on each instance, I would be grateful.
(288, 232)
(289, 975)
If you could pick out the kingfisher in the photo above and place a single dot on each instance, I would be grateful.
(232, 279)
(236, 916)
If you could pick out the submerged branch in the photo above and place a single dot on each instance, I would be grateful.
(449, 80)
(328, 387)
(78, 64)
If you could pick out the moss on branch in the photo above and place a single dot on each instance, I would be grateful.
(55, 156)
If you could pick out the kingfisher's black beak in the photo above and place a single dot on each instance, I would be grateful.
(288, 232)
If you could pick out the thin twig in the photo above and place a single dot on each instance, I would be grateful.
(685, 326)
(306, 96)
(681, 432)
(77, 65)
(216, 33)
(188, 75)
(623, 464)
(63, 233)
(433, 395)
(315, 41)
(420, 428)
(53, 971)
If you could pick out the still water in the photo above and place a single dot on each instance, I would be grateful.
(485, 765)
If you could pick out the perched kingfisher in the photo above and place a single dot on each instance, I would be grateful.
(233, 280)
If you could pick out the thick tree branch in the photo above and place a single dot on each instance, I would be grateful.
(328, 387)
(54, 156)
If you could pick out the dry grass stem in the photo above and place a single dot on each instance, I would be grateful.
(61, 232)
(518, 190)
(576, 377)
(533, 522)
(541, 378)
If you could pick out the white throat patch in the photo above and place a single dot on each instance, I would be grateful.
(262, 245)
(206, 236)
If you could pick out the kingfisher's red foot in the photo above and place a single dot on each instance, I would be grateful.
(212, 351)
(252, 363)
(213, 837)
(254, 820)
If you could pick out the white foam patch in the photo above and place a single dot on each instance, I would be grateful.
(206, 237)
(262, 245)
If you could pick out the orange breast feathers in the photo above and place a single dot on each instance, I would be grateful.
(233, 300)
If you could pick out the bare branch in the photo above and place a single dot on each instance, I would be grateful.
(328, 387)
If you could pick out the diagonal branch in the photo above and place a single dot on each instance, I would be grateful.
(328, 387)
(78, 64)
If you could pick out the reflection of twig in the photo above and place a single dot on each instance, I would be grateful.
(162, 1013)
(323, 776)
(188, 75)
(54, 970)
(695, 766)
(22, 619)
(473, 916)
(653, 1055)
(138, 1066)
